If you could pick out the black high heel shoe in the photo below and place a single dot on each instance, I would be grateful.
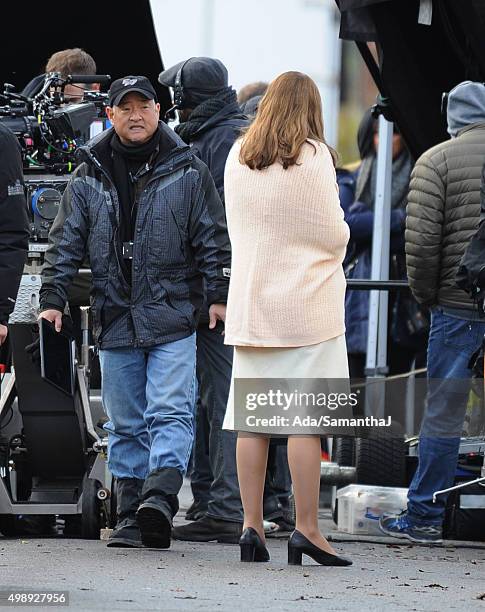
(299, 545)
(252, 547)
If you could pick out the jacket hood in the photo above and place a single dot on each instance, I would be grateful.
(466, 106)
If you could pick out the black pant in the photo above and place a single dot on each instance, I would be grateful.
(214, 477)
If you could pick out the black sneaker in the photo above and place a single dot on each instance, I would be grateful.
(400, 526)
(209, 529)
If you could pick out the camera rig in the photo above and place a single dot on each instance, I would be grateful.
(38, 423)
(50, 130)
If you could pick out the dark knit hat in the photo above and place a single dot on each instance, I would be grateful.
(202, 78)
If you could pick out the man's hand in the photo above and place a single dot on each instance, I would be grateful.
(217, 312)
(3, 333)
(54, 316)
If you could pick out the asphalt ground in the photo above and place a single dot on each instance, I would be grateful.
(387, 575)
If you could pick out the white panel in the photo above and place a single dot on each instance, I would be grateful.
(258, 40)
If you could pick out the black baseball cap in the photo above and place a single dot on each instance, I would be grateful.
(127, 84)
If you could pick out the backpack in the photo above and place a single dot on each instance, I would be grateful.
(471, 272)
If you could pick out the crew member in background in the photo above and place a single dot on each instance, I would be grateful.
(442, 215)
(250, 96)
(79, 62)
(68, 61)
(250, 91)
(210, 121)
(14, 225)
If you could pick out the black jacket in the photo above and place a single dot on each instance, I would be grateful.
(180, 239)
(214, 139)
(14, 222)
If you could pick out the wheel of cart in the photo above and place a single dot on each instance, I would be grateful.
(91, 510)
(379, 460)
(94, 513)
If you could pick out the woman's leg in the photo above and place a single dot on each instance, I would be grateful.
(304, 456)
(252, 457)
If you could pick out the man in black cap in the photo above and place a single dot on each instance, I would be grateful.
(148, 212)
(210, 121)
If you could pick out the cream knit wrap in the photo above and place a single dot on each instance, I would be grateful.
(288, 238)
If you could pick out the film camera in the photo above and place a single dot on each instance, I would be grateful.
(50, 130)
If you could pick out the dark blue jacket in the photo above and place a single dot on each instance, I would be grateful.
(180, 240)
(214, 140)
(357, 264)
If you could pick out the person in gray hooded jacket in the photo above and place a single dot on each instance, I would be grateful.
(442, 215)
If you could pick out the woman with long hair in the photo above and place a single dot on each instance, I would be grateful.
(285, 311)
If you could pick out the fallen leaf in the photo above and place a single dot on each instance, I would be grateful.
(435, 585)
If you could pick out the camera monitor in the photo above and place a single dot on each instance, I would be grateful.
(56, 357)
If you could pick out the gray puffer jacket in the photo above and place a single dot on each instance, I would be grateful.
(180, 237)
(442, 215)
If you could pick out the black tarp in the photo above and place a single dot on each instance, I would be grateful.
(120, 37)
(417, 63)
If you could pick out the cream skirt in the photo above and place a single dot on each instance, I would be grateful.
(327, 359)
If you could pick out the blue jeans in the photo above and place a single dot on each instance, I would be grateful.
(149, 397)
(452, 342)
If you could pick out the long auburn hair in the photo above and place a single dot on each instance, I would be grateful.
(289, 114)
